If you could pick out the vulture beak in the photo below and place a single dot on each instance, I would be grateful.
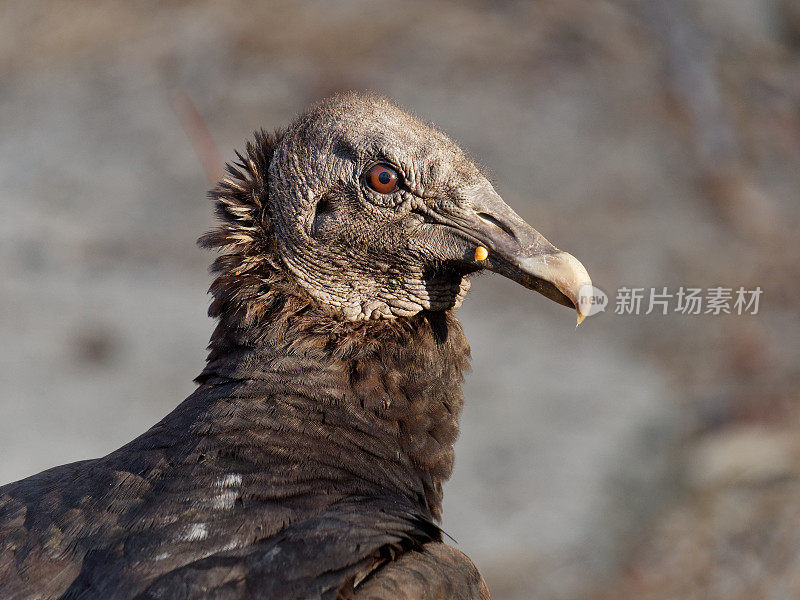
(516, 250)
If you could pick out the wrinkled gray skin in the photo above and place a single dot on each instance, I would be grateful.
(366, 254)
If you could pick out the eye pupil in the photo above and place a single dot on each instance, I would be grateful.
(382, 178)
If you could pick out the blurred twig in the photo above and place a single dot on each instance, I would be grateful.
(199, 135)
(693, 81)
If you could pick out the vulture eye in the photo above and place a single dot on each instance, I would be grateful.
(382, 178)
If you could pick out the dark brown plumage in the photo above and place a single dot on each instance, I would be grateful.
(309, 462)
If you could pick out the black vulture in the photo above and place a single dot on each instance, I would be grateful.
(309, 461)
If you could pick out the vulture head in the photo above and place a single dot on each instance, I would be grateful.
(376, 215)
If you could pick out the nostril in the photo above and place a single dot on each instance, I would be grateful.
(426, 217)
(497, 223)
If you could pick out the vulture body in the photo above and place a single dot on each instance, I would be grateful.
(309, 462)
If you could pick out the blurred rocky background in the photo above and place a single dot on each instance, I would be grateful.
(641, 456)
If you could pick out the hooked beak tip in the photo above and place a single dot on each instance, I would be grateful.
(561, 277)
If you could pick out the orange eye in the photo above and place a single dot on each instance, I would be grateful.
(382, 178)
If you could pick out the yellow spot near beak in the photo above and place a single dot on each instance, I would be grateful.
(481, 253)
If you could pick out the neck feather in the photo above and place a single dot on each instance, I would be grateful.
(396, 383)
